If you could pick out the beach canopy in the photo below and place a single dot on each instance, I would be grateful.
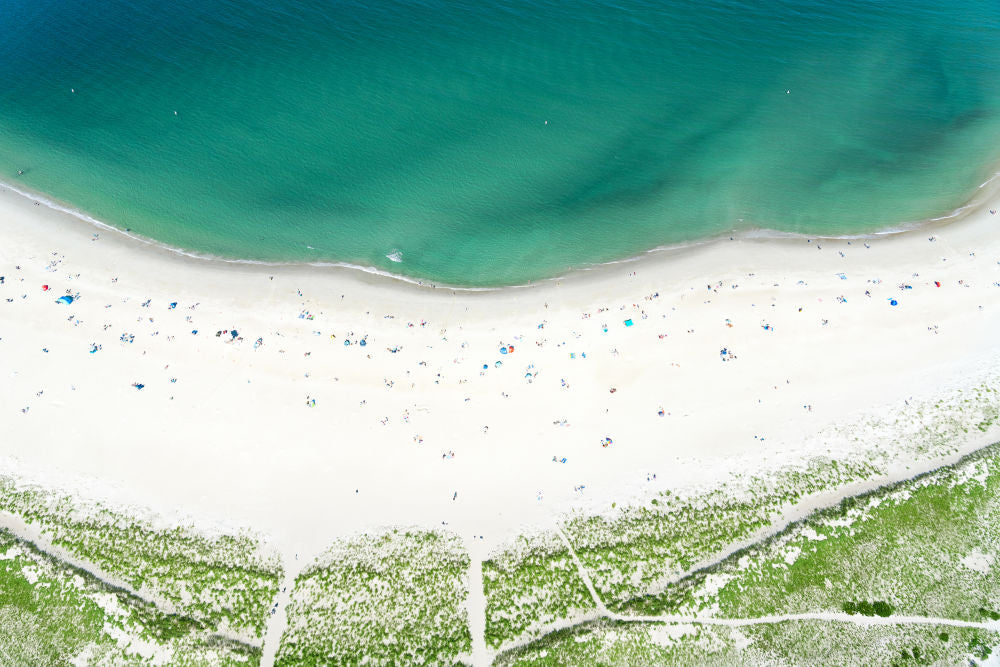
(628, 323)
(65, 299)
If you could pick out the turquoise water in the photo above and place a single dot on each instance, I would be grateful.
(495, 142)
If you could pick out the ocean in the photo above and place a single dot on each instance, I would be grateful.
(491, 143)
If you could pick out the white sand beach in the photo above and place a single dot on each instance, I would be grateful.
(243, 403)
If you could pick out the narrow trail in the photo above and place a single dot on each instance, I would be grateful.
(582, 571)
(278, 620)
(476, 605)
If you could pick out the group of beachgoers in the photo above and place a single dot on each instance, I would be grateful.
(510, 364)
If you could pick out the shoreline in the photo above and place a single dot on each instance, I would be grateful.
(979, 198)
(394, 435)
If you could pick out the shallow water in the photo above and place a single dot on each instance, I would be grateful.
(493, 143)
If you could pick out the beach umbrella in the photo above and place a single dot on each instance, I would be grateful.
(65, 300)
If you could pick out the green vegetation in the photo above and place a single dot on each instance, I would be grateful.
(226, 582)
(388, 598)
(924, 547)
(880, 608)
(52, 613)
(528, 584)
(643, 549)
(792, 643)
(822, 643)
(615, 643)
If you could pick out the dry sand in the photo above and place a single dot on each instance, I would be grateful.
(225, 430)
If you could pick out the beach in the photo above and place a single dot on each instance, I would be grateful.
(309, 403)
